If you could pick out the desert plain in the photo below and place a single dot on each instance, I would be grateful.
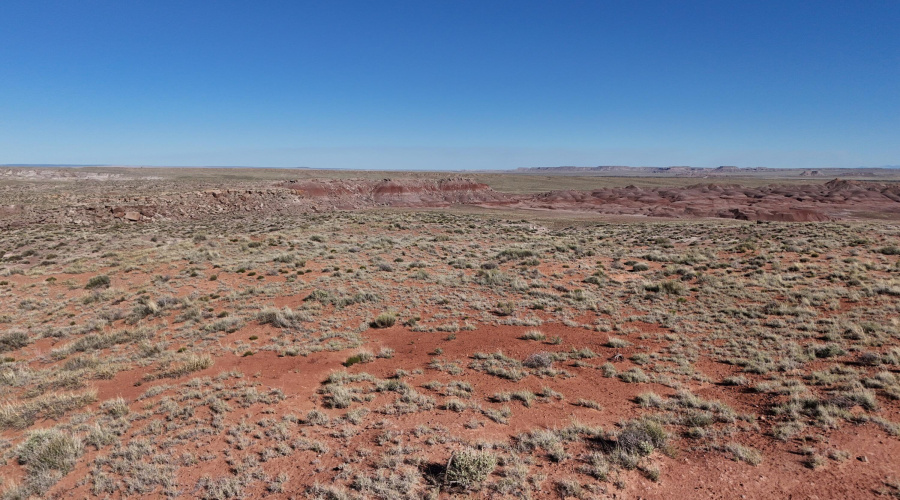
(547, 333)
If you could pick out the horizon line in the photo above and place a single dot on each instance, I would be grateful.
(107, 165)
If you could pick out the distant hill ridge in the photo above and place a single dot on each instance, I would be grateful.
(689, 171)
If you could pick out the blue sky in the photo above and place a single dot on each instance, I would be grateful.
(431, 84)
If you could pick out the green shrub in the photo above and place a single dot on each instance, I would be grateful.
(101, 281)
(384, 320)
(360, 357)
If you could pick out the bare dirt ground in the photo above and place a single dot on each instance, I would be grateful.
(283, 334)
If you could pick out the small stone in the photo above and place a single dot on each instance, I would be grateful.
(862, 458)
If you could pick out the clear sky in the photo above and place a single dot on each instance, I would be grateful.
(455, 84)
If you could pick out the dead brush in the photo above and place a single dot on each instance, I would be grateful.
(280, 318)
(541, 359)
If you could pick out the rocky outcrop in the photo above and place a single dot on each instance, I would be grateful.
(397, 192)
(787, 203)
(777, 202)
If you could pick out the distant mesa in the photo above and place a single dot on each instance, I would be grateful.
(723, 170)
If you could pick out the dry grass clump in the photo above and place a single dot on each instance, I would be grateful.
(99, 341)
(533, 335)
(742, 453)
(467, 468)
(115, 408)
(617, 343)
(499, 365)
(641, 437)
(12, 340)
(48, 455)
(384, 320)
(25, 413)
(280, 318)
(190, 364)
(587, 403)
(538, 360)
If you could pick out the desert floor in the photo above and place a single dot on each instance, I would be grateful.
(285, 348)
